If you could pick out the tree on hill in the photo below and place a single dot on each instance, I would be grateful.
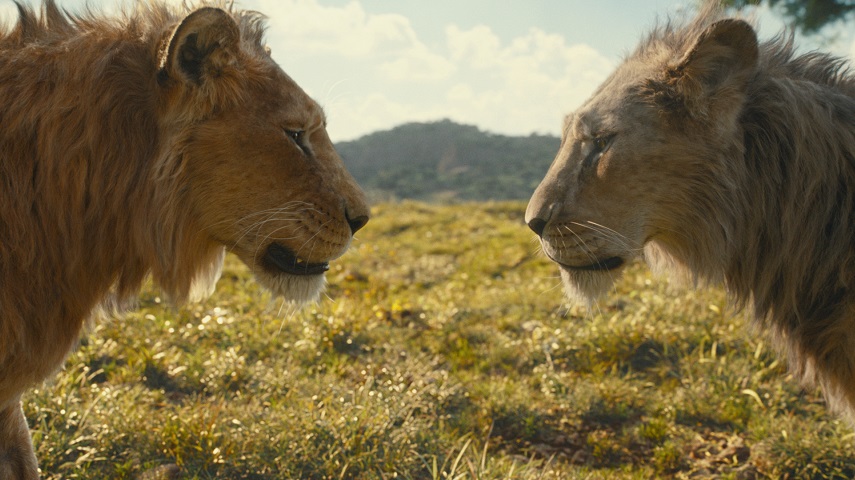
(809, 16)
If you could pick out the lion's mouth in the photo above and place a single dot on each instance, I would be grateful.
(282, 259)
(606, 264)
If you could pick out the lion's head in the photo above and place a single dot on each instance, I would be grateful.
(260, 174)
(640, 162)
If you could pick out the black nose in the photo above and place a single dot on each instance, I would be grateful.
(537, 225)
(357, 222)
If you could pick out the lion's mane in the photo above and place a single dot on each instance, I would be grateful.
(84, 221)
(774, 210)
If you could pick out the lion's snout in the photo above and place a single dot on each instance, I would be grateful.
(579, 249)
(278, 258)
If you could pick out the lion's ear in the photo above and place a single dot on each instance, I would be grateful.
(206, 42)
(723, 58)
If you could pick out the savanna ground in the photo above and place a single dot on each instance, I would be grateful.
(444, 351)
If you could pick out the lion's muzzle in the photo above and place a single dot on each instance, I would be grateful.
(605, 264)
(278, 259)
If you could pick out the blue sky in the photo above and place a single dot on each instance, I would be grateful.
(510, 67)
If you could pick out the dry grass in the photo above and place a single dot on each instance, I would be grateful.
(446, 351)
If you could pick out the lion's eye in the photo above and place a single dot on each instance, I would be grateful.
(299, 137)
(296, 135)
(599, 145)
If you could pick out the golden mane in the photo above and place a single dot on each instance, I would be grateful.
(149, 144)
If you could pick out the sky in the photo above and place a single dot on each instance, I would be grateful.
(508, 67)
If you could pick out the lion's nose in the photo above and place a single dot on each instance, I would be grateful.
(539, 213)
(357, 222)
(537, 225)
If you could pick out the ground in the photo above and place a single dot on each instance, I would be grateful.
(445, 349)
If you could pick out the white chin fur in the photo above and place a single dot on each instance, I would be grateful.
(586, 287)
(206, 279)
(293, 288)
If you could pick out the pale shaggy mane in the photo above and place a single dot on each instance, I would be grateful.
(797, 166)
(148, 145)
(784, 214)
(722, 159)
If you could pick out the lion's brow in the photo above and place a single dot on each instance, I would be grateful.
(580, 126)
(568, 123)
(319, 119)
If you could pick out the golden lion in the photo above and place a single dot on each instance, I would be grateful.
(720, 159)
(149, 146)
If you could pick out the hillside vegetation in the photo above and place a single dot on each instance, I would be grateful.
(445, 161)
(445, 350)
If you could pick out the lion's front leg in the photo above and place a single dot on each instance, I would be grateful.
(17, 458)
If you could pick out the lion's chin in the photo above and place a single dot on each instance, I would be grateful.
(587, 286)
(293, 288)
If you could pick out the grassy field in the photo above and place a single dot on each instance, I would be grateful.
(445, 350)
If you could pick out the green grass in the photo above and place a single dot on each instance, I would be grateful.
(444, 351)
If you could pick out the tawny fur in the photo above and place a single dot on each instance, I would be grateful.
(147, 145)
(730, 161)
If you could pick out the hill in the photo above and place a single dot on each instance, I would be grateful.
(445, 161)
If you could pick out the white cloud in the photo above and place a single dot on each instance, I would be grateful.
(306, 28)
(419, 64)
(8, 14)
(477, 46)
(525, 85)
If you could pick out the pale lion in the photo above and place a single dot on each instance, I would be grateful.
(149, 145)
(724, 160)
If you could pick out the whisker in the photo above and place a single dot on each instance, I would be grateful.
(582, 245)
(267, 237)
(612, 236)
(289, 314)
(591, 255)
(313, 236)
(287, 212)
(287, 205)
(258, 225)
